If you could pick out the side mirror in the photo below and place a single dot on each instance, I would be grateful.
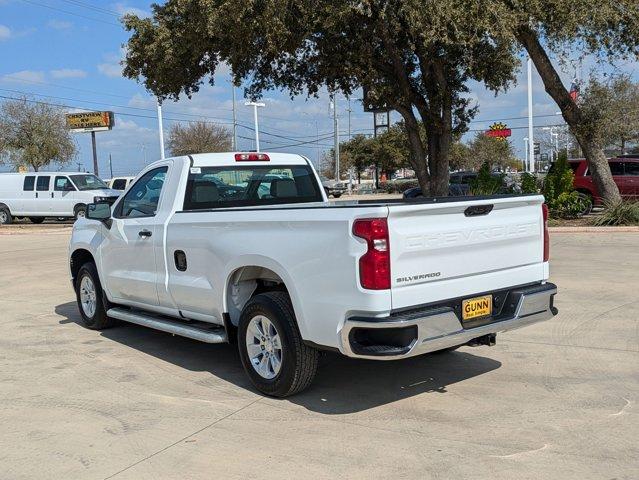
(99, 211)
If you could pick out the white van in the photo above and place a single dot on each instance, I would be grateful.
(119, 183)
(50, 194)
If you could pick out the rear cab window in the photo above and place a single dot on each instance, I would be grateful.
(632, 168)
(245, 186)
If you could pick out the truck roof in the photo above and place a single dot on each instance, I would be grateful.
(228, 158)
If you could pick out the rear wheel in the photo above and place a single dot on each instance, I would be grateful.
(5, 216)
(586, 201)
(271, 348)
(91, 301)
(36, 219)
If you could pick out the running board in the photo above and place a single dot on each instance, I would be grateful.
(203, 332)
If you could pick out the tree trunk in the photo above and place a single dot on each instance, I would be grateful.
(418, 157)
(593, 150)
(438, 154)
(623, 146)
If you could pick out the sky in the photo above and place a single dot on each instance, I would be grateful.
(68, 52)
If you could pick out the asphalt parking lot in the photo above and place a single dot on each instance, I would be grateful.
(555, 400)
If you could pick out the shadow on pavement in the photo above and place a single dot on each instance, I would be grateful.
(343, 385)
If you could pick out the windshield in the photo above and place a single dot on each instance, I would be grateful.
(88, 182)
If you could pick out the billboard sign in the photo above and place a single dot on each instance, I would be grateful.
(90, 121)
(499, 130)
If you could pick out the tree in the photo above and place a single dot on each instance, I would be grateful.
(608, 30)
(198, 137)
(493, 151)
(612, 108)
(34, 135)
(460, 158)
(415, 57)
(357, 153)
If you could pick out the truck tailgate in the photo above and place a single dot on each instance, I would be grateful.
(453, 249)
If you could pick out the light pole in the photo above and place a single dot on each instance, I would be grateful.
(234, 118)
(526, 151)
(161, 130)
(257, 133)
(555, 150)
(531, 137)
(317, 144)
(335, 134)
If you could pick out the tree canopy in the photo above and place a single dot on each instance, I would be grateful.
(198, 137)
(34, 135)
(412, 56)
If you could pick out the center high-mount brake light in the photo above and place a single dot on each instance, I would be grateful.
(251, 157)
(374, 265)
(544, 210)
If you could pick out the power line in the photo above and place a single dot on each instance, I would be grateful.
(95, 8)
(31, 2)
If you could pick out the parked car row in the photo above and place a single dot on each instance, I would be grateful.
(625, 173)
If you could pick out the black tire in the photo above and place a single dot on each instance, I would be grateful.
(79, 211)
(36, 219)
(337, 195)
(5, 216)
(98, 320)
(298, 360)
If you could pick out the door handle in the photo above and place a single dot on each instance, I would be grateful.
(145, 233)
(51, 194)
(36, 194)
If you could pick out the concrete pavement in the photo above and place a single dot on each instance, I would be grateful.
(555, 400)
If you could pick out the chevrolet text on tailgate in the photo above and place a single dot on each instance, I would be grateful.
(246, 246)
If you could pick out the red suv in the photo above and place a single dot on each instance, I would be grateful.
(625, 172)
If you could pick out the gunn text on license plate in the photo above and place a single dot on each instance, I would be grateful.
(477, 307)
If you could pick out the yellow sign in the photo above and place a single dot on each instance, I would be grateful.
(477, 307)
(90, 121)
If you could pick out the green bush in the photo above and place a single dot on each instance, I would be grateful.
(622, 213)
(485, 183)
(562, 199)
(398, 186)
(529, 183)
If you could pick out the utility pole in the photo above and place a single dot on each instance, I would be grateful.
(143, 146)
(349, 118)
(161, 129)
(335, 135)
(531, 138)
(257, 133)
(234, 118)
(110, 166)
(79, 164)
(95, 155)
(526, 151)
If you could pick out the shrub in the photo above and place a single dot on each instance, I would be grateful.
(485, 183)
(398, 186)
(529, 183)
(562, 199)
(622, 213)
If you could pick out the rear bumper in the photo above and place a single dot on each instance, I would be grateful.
(427, 330)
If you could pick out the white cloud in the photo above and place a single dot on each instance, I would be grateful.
(68, 73)
(28, 76)
(124, 9)
(5, 33)
(59, 24)
(110, 69)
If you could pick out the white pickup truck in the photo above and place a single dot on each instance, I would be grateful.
(245, 246)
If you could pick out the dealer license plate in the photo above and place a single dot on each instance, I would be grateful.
(477, 307)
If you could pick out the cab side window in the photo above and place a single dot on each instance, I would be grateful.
(119, 184)
(29, 183)
(42, 184)
(143, 198)
(632, 168)
(63, 184)
(616, 168)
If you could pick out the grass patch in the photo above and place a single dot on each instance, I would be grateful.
(622, 213)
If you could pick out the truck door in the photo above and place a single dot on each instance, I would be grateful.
(27, 202)
(632, 179)
(133, 245)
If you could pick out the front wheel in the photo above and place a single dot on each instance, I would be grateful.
(80, 211)
(271, 348)
(91, 302)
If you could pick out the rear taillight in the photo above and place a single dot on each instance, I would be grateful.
(251, 157)
(374, 265)
(544, 210)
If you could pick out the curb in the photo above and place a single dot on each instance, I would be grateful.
(628, 229)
